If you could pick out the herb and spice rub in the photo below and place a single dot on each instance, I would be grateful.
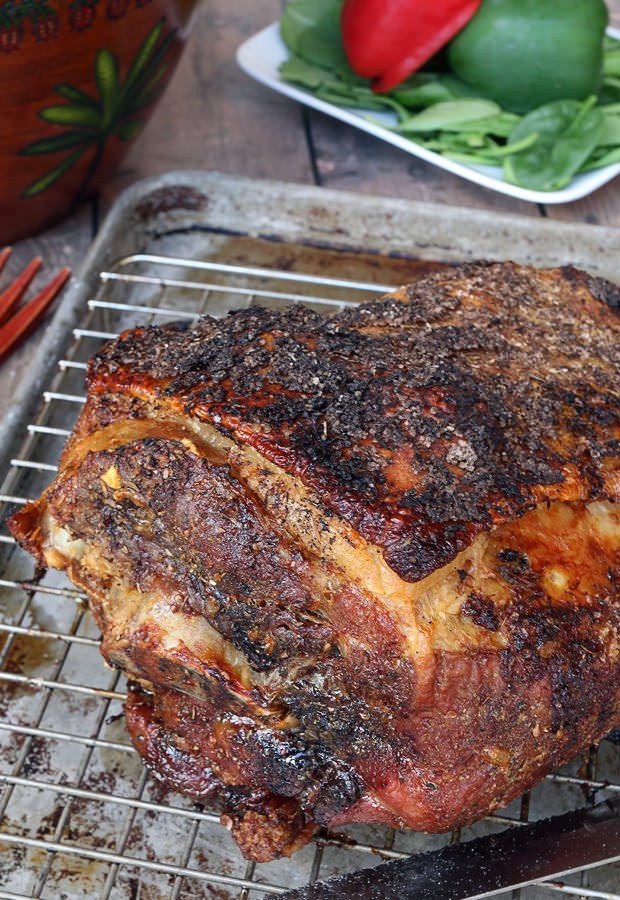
(362, 568)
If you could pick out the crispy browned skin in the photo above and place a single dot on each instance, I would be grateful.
(363, 568)
(423, 419)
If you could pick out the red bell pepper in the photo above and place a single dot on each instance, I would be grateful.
(387, 40)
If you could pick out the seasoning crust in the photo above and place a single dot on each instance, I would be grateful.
(421, 419)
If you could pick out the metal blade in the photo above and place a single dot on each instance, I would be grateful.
(486, 866)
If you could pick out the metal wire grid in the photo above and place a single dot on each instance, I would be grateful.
(80, 815)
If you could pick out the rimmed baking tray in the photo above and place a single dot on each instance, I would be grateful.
(81, 817)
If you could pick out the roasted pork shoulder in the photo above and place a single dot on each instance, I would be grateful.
(361, 568)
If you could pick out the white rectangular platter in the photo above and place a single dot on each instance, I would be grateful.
(260, 57)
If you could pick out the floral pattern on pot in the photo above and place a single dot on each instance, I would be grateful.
(43, 20)
(82, 14)
(117, 110)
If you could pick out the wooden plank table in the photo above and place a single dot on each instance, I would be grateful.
(213, 116)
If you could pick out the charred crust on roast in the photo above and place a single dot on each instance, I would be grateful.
(456, 369)
(602, 290)
(482, 612)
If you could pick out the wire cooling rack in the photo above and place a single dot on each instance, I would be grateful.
(80, 816)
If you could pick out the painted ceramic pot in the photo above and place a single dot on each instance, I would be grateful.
(79, 79)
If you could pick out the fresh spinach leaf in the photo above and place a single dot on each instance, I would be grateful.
(611, 43)
(450, 114)
(501, 124)
(610, 133)
(421, 91)
(600, 159)
(457, 87)
(568, 131)
(611, 62)
(299, 71)
(333, 88)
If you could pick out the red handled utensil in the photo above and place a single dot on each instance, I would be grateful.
(17, 321)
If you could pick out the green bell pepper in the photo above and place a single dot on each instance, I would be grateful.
(525, 53)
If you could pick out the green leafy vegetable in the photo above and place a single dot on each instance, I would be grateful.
(457, 87)
(610, 134)
(422, 91)
(598, 160)
(450, 114)
(333, 88)
(611, 62)
(500, 125)
(568, 132)
(611, 43)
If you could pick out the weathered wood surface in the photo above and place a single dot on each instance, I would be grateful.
(214, 117)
